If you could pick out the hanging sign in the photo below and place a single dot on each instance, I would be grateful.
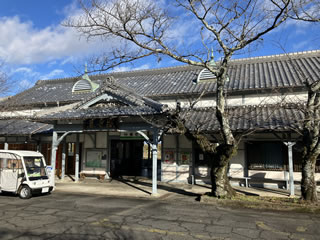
(100, 123)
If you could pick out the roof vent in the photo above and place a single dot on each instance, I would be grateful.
(205, 75)
(84, 84)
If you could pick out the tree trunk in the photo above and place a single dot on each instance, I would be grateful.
(221, 187)
(308, 183)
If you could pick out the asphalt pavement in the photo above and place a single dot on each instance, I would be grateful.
(82, 216)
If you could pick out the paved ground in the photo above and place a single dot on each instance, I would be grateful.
(64, 215)
(141, 187)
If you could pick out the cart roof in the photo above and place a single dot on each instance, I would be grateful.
(23, 153)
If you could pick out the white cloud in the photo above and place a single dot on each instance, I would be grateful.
(22, 43)
(127, 69)
(68, 60)
(142, 67)
(25, 72)
(122, 69)
(25, 84)
(54, 74)
(22, 70)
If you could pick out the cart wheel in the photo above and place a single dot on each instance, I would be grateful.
(25, 192)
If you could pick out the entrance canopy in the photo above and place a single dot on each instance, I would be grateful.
(110, 101)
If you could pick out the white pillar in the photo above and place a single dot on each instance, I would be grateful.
(291, 179)
(63, 167)
(6, 147)
(154, 162)
(77, 159)
(53, 156)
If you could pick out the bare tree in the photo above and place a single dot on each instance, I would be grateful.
(144, 28)
(309, 131)
(311, 142)
(4, 82)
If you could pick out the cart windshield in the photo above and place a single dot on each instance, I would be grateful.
(35, 168)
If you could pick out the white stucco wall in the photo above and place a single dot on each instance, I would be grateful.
(72, 138)
(175, 171)
(101, 140)
(89, 141)
(237, 163)
(257, 99)
(169, 141)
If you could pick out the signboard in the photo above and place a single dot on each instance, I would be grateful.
(96, 158)
(185, 158)
(169, 156)
(100, 123)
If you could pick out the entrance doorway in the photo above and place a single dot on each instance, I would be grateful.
(71, 158)
(126, 157)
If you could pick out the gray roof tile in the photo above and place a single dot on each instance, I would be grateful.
(244, 74)
(262, 118)
(22, 127)
(89, 113)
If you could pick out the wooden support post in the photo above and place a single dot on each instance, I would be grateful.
(155, 162)
(77, 159)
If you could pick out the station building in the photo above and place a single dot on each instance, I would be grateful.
(112, 125)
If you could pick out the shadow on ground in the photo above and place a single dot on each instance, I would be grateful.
(133, 183)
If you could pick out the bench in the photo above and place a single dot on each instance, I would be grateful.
(248, 180)
(245, 179)
(271, 180)
(98, 173)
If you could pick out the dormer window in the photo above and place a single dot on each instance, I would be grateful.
(206, 76)
(84, 84)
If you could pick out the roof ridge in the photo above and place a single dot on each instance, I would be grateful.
(96, 76)
(152, 69)
(170, 68)
(41, 81)
(114, 88)
(276, 55)
(247, 106)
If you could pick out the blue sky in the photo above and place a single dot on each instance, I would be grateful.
(33, 44)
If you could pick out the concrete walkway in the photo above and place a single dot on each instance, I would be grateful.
(142, 188)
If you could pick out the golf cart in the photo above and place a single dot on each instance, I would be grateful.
(23, 173)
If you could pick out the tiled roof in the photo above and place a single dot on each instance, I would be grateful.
(22, 127)
(269, 117)
(122, 102)
(251, 74)
(122, 94)
(260, 118)
(98, 112)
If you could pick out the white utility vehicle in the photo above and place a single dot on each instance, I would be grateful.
(23, 173)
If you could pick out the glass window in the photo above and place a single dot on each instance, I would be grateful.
(201, 158)
(265, 155)
(185, 157)
(35, 168)
(96, 158)
(10, 161)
